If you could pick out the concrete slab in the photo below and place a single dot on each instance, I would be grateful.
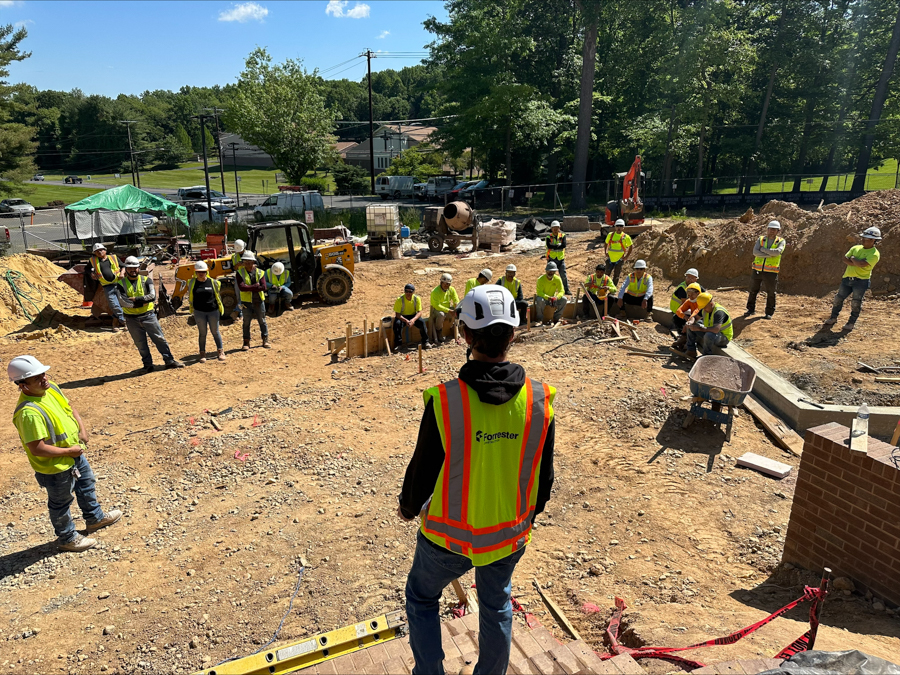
(770, 467)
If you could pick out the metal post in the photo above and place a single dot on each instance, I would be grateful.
(134, 180)
(371, 125)
(205, 168)
(237, 187)
(22, 227)
(215, 114)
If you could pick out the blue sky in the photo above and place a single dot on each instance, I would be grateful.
(129, 47)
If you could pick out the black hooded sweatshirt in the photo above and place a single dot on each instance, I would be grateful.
(495, 383)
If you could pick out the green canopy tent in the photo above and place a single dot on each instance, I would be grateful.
(105, 214)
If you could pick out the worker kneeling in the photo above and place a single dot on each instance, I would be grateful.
(481, 472)
(408, 313)
(711, 327)
(278, 288)
(443, 303)
(637, 291)
(550, 292)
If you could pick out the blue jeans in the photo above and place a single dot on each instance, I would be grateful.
(432, 570)
(858, 288)
(146, 325)
(208, 321)
(707, 342)
(59, 487)
(113, 298)
(561, 270)
(284, 294)
(259, 312)
(237, 294)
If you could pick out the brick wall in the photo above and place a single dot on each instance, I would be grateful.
(846, 511)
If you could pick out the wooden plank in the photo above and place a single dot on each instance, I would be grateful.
(557, 612)
(587, 296)
(896, 436)
(784, 436)
(612, 339)
(649, 355)
(888, 379)
(770, 467)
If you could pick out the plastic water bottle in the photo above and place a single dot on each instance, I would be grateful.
(862, 415)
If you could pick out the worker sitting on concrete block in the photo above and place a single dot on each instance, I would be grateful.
(550, 292)
(278, 288)
(599, 285)
(511, 282)
(484, 276)
(861, 260)
(444, 300)
(617, 248)
(685, 311)
(407, 313)
(637, 291)
(711, 328)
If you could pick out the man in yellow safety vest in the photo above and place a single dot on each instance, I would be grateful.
(637, 289)
(236, 265)
(252, 288)
(511, 282)
(484, 276)
(105, 269)
(767, 252)
(549, 291)
(556, 252)
(278, 288)
(711, 328)
(481, 472)
(408, 313)
(860, 260)
(617, 248)
(599, 286)
(443, 301)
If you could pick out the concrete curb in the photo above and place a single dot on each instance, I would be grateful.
(782, 397)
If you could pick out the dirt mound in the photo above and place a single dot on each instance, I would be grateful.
(816, 243)
(44, 290)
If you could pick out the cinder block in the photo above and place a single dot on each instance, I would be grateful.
(395, 666)
(576, 224)
(544, 638)
(465, 644)
(527, 644)
(327, 668)
(546, 665)
(566, 659)
(627, 665)
(585, 655)
(470, 621)
(378, 653)
(361, 660)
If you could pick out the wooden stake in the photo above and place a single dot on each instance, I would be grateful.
(896, 436)
(381, 337)
(591, 300)
(528, 325)
(420, 360)
(460, 593)
(365, 336)
(557, 612)
(387, 345)
(786, 437)
(349, 331)
(577, 300)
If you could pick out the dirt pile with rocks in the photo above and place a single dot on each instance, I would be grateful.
(38, 281)
(816, 243)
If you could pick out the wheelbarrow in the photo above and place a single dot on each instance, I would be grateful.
(723, 383)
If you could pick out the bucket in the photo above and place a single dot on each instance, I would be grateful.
(404, 232)
(387, 323)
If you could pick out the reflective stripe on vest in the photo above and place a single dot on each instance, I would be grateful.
(557, 255)
(51, 428)
(512, 286)
(772, 264)
(675, 302)
(636, 286)
(449, 522)
(113, 266)
(595, 286)
(247, 296)
(725, 329)
(416, 305)
(133, 291)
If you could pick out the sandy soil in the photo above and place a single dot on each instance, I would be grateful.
(206, 559)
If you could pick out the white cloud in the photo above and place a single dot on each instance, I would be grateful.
(7, 3)
(338, 9)
(384, 34)
(23, 24)
(244, 12)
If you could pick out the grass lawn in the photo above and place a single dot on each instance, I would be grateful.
(39, 195)
(882, 178)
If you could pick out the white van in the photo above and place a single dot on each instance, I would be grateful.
(438, 186)
(398, 187)
(286, 203)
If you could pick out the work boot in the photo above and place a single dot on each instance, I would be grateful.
(149, 369)
(692, 355)
(221, 355)
(267, 344)
(174, 363)
(680, 343)
(829, 322)
(110, 518)
(849, 325)
(246, 347)
(202, 357)
(288, 307)
(116, 326)
(426, 345)
(78, 544)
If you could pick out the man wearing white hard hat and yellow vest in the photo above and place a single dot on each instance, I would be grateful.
(767, 252)
(54, 438)
(105, 269)
(205, 303)
(860, 260)
(252, 287)
(637, 289)
(556, 252)
(278, 288)
(481, 472)
(511, 282)
(617, 248)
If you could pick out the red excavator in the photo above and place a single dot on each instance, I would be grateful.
(629, 208)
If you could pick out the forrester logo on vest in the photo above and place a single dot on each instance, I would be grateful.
(481, 437)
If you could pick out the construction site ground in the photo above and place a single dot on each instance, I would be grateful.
(308, 464)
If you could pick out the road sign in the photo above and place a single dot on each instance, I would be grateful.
(309, 217)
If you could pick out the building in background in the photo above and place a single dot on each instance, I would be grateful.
(390, 141)
(245, 154)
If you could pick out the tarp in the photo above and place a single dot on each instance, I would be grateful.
(104, 225)
(132, 200)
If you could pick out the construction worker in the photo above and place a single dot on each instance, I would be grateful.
(136, 294)
(278, 288)
(617, 249)
(861, 260)
(408, 312)
(637, 289)
(550, 291)
(54, 438)
(105, 269)
(711, 327)
(685, 310)
(767, 253)
(556, 252)
(511, 282)
(205, 303)
(599, 285)
(443, 301)
(680, 296)
(252, 287)
(236, 265)
(484, 276)
(476, 484)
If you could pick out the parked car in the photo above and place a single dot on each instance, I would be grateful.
(221, 198)
(394, 186)
(182, 192)
(73, 179)
(285, 203)
(199, 193)
(38, 176)
(483, 195)
(197, 213)
(16, 206)
(419, 191)
(438, 186)
(453, 195)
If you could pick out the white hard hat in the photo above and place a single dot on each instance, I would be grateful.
(555, 223)
(239, 245)
(551, 266)
(872, 233)
(692, 273)
(131, 261)
(620, 223)
(486, 273)
(278, 268)
(446, 277)
(640, 265)
(23, 367)
(774, 224)
(511, 268)
(98, 247)
(488, 305)
(248, 255)
(201, 266)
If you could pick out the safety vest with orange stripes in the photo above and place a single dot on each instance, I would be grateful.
(485, 496)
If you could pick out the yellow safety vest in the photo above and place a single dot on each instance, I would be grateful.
(401, 308)
(133, 291)
(637, 286)
(726, 328)
(616, 245)
(597, 287)
(236, 261)
(675, 302)
(55, 430)
(556, 255)
(485, 496)
(512, 286)
(113, 266)
(247, 296)
(772, 264)
(216, 285)
(276, 279)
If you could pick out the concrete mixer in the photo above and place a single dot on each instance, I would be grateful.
(457, 223)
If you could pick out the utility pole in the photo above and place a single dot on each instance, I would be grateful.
(215, 112)
(237, 186)
(371, 124)
(135, 178)
(202, 118)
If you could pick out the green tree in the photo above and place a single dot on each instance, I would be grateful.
(421, 161)
(350, 180)
(16, 144)
(280, 109)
